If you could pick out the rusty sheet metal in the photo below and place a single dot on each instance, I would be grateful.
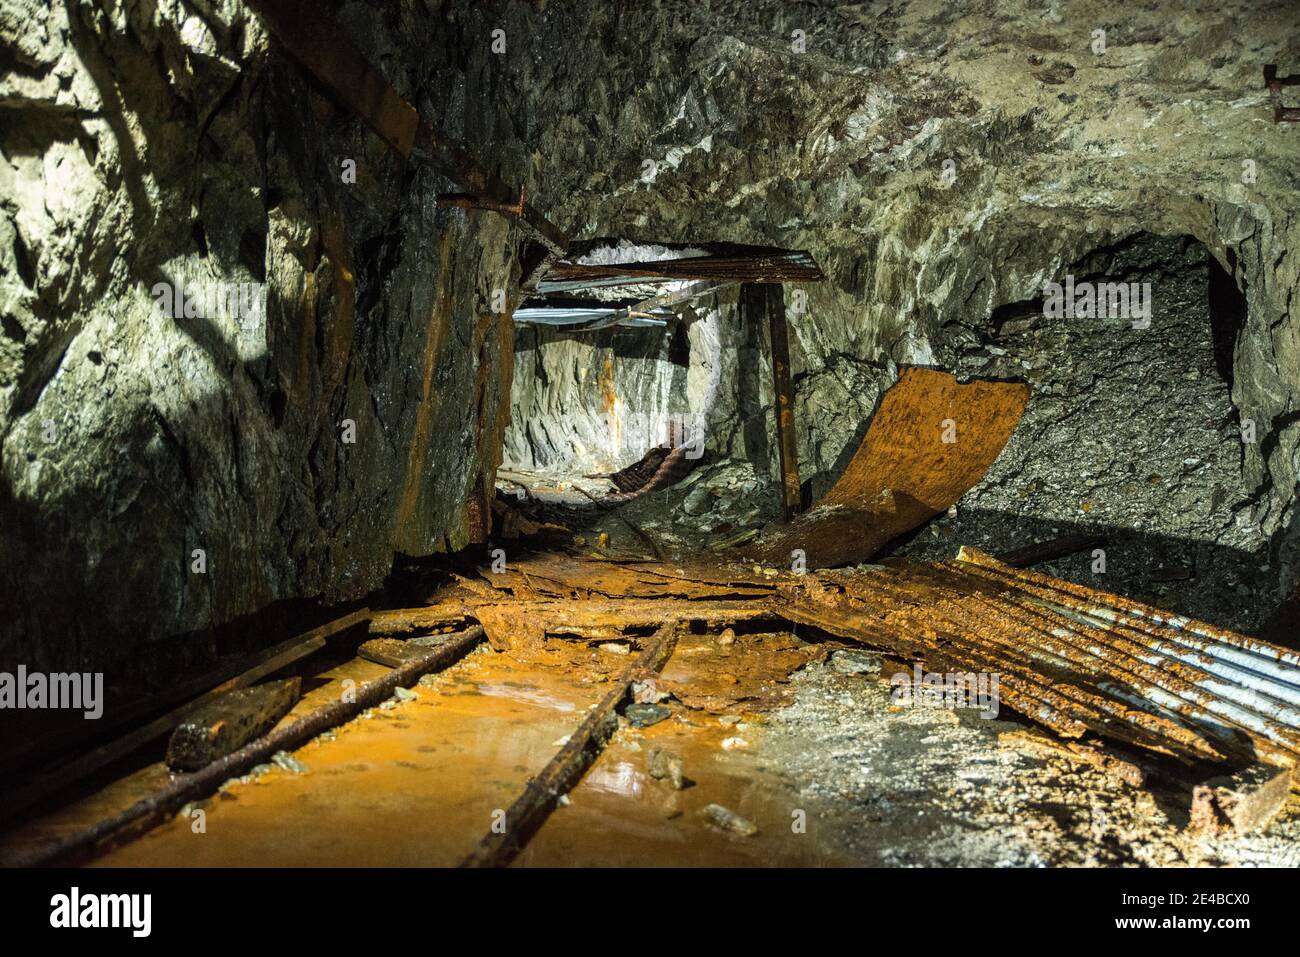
(931, 440)
(1074, 659)
(565, 576)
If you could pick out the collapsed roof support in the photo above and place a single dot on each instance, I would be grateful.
(755, 302)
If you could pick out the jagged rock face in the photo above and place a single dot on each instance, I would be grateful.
(1056, 150)
(147, 145)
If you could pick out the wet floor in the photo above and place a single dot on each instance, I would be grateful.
(419, 782)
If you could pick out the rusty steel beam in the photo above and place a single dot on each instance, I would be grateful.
(323, 48)
(768, 301)
(530, 811)
(1274, 83)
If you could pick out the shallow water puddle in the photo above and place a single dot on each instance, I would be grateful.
(415, 785)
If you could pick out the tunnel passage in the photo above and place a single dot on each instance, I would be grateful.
(637, 364)
(1130, 434)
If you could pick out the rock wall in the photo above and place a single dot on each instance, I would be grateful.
(300, 446)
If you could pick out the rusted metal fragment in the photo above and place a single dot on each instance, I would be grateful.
(1111, 761)
(931, 440)
(392, 652)
(396, 621)
(1274, 84)
(1240, 803)
(511, 624)
(508, 625)
(752, 672)
(531, 809)
(566, 576)
(229, 722)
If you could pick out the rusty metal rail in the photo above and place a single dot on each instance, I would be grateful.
(152, 810)
(530, 811)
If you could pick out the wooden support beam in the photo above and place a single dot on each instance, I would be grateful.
(755, 302)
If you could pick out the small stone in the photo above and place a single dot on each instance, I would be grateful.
(614, 647)
(728, 637)
(698, 501)
(729, 820)
(644, 715)
(734, 743)
(283, 759)
(405, 694)
(663, 766)
(730, 719)
(852, 662)
(561, 742)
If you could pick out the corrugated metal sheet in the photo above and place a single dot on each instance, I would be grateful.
(1074, 658)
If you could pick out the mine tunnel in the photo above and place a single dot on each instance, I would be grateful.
(503, 434)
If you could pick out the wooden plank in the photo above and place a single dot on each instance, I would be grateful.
(530, 811)
(1038, 552)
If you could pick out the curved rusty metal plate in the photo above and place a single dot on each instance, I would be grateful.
(930, 441)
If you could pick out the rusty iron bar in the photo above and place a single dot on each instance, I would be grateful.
(323, 48)
(768, 301)
(1274, 83)
(158, 807)
(529, 812)
(774, 266)
(475, 201)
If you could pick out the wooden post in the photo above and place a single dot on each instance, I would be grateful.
(769, 298)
